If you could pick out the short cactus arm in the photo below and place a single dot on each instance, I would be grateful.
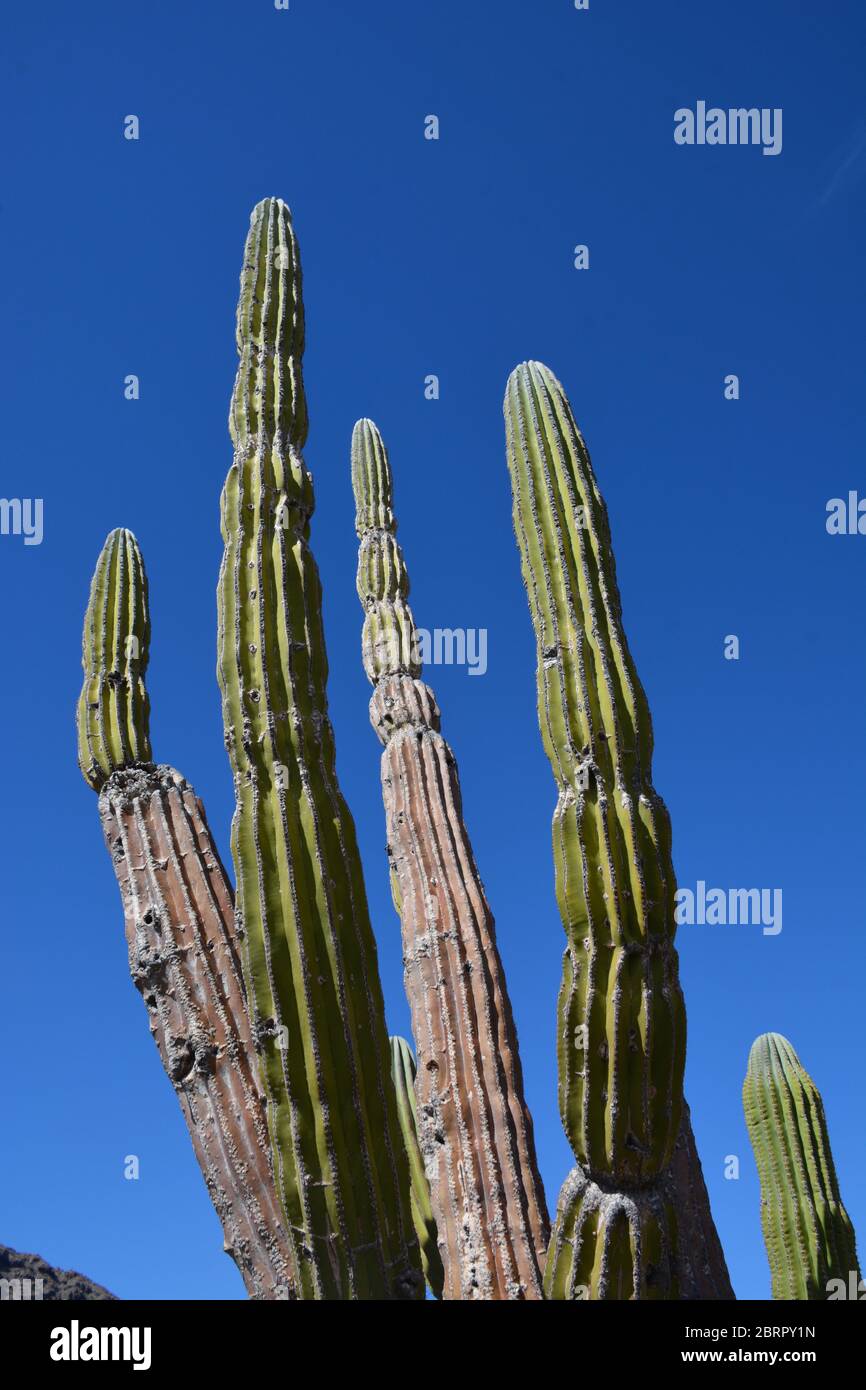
(310, 954)
(180, 933)
(403, 1074)
(621, 1031)
(474, 1125)
(113, 709)
(808, 1234)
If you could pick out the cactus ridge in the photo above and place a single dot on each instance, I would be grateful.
(475, 1128)
(621, 1033)
(403, 1071)
(807, 1231)
(310, 954)
(113, 708)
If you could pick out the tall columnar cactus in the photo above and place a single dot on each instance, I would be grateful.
(113, 710)
(807, 1232)
(179, 924)
(475, 1129)
(621, 1029)
(310, 954)
(403, 1071)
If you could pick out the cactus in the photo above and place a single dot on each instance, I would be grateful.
(621, 1029)
(310, 954)
(807, 1232)
(179, 925)
(403, 1072)
(475, 1129)
(113, 709)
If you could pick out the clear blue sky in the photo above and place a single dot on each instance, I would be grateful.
(452, 258)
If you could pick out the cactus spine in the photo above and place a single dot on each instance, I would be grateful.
(310, 954)
(179, 926)
(403, 1072)
(807, 1232)
(475, 1129)
(621, 1029)
(113, 709)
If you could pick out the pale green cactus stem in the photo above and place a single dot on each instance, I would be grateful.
(809, 1237)
(621, 1031)
(113, 708)
(403, 1071)
(311, 963)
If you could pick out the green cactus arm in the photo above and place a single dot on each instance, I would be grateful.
(310, 954)
(621, 1028)
(474, 1124)
(807, 1231)
(621, 1097)
(403, 1075)
(113, 710)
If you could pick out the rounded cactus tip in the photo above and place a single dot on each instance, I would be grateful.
(533, 373)
(264, 205)
(771, 1051)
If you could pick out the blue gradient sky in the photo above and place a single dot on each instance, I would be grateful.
(452, 258)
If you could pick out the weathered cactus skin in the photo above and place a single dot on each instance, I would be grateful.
(475, 1129)
(113, 709)
(403, 1071)
(621, 1030)
(310, 954)
(183, 958)
(701, 1271)
(179, 919)
(808, 1234)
